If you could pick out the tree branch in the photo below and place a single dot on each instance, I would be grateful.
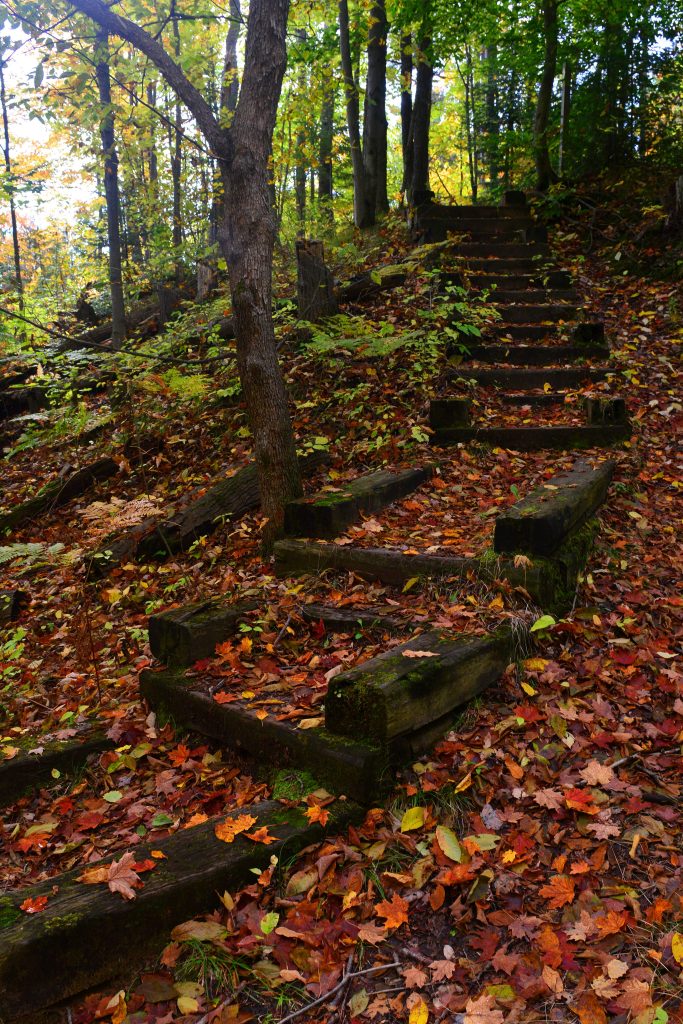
(216, 136)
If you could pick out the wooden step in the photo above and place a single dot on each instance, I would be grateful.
(520, 281)
(538, 400)
(533, 296)
(29, 771)
(533, 313)
(329, 513)
(531, 439)
(506, 265)
(541, 521)
(517, 379)
(181, 636)
(501, 250)
(532, 355)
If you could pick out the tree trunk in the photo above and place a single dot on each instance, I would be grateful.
(492, 122)
(300, 165)
(176, 167)
(10, 187)
(422, 112)
(406, 110)
(314, 285)
(230, 85)
(111, 190)
(564, 114)
(363, 211)
(545, 175)
(375, 118)
(325, 190)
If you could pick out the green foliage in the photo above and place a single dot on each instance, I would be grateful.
(357, 335)
(32, 554)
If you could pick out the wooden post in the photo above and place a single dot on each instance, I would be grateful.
(314, 286)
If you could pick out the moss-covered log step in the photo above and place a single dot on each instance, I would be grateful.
(11, 602)
(521, 282)
(87, 934)
(60, 492)
(353, 768)
(27, 772)
(180, 636)
(546, 581)
(532, 296)
(531, 439)
(534, 355)
(351, 618)
(518, 379)
(529, 313)
(15, 401)
(411, 686)
(501, 250)
(329, 513)
(539, 523)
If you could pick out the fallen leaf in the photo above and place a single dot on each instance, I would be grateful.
(559, 891)
(482, 1011)
(395, 912)
(231, 827)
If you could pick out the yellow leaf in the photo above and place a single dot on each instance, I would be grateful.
(412, 819)
(419, 1014)
(186, 1004)
(158, 854)
(677, 947)
(464, 784)
(411, 583)
(310, 723)
(528, 689)
(261, 715)
(536, 664)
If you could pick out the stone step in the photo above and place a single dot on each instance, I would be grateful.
(517, 379)
(502, 250)
(541, 521)
(533, 313)
(531, 439)
(329, 513)
(86, 934)
(395, 694)
(533, 355)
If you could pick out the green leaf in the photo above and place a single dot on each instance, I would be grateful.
(545, 622)
(269, 922)
(412, 819)
(161, 819)
(113, 796)
(38, 77)
(485, 840)
(448, 842)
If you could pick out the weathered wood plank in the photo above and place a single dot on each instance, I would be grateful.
(530, 439)
(87, 934)
(397, 693)
(532, 355)
(542, 521)
(10, 605)
(180, 636)
(351, 618)
(329, 513)
(559, 378)
(26, 771)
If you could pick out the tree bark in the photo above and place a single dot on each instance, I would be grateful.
(422, 112)
(545, 175)
(375, 118)
(247, 228)
(363, 213)
(176, 165)
(325, 181)
(230, 84)
(314, 285)
(111, 190)
(10, 187)
(406, 110)
(492, 122)
(300, 165)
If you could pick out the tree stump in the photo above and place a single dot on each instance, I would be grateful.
(314, 285)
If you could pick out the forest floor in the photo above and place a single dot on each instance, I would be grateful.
(529, 868)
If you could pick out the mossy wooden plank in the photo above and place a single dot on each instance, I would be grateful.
(86, 934)
(539, 523)
(352, 767)
(26, 771)
(532, 355)
(181, 636)
(413, 685)
(449, 412)
(529, 439)
(533, 313)
(350, 618)
(557, 378)
(329, 513)
(11, 602)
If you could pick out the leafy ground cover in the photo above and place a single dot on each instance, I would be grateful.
(528, 868)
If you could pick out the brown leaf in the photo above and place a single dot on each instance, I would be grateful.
(559, 891)
(482, 1011)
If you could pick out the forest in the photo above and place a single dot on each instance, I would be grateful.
(340, 605)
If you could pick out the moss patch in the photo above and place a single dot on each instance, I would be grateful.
(293, 785)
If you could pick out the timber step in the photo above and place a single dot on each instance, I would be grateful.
(547, 582)
(351, 618)
(528, 313)
(15, 401)
(355, 769)
(540, 522)
(86, 934)
(533, 296)
(531, 439)
(181, 636)
(552, 279)
(527, 332)
(29, 771)
(518, 378)
(538, 400)
(11, 604)
(506, 265)
(400, 691)
(533, 355)
(501, 250)
(330, 512)
(480, 213)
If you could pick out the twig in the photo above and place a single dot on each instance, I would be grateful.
(282, 632)
(639, 755)
(328, 995)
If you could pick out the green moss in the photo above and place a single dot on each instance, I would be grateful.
(331, 499)
(8, 912)
(292, 816)
(62, 922)
(293, 785)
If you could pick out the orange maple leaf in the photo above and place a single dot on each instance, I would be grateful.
(559, 891)
(581, 800)
(317, 813)
(611, 922)
(261, 835)
(395, 912)
(33, 904)
(231, 827)
(179, 755)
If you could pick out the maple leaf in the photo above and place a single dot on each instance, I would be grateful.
(581, 800)
(261, 835)
(603, 829)
(553, 799)
(317, 813)
(482, 1011)
(394, 912)
(596, 774)
(611, 922)
(122, 877)
(414, 977)
(559, 891)
(442, 970)
(635, 996)
(604, 987)
(33, 904)
(582, 929)
(372, 933)
(589, 1010)
(231, 827)
(179, 756)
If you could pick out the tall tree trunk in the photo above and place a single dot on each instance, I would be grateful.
(406, 110)
(363, 212)
(492, 123)
(230, 84)
(471, 123)
(176, 165)
(422, 114)
(325, 190)
(247, 228)
(564, 114)
(10, 188)
(111, 190)
(300, 165)
(375, 118)
(545, 175)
